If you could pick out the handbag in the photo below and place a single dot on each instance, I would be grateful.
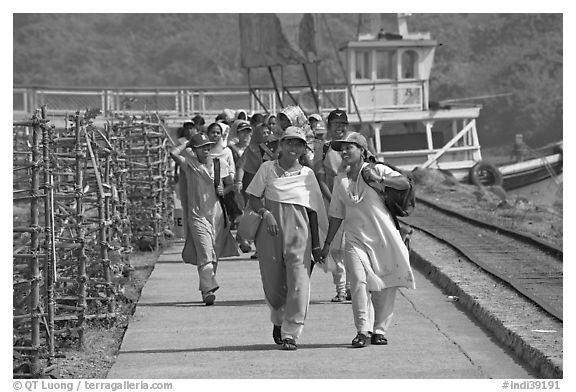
(248, 225)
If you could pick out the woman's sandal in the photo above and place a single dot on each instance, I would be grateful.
(378, 339)
(277, 334)
(289, 344)
(359, 340)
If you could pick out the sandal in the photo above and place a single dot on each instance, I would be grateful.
(339, 298)
(209, 298)
(378, 339)
(277, 334)
(360, 340)
(289, 344)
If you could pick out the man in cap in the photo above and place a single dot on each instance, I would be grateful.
(326, 168)
(314, 120)
(201, 186)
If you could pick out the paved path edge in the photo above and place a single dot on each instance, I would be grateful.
(545, 366)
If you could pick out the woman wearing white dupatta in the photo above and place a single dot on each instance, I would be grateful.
(293, 222)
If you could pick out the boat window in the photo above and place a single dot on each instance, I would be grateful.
(363, 69)
(385, 64)
(409, 61)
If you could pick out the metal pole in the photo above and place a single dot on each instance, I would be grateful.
(275, 86)
(316, 102)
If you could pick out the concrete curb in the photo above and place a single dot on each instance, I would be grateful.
(546, 367)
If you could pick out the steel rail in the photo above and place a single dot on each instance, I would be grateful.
(512, 282)
(525, 237)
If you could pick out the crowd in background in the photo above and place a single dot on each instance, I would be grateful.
(301, 175)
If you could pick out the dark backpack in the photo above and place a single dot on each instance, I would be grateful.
(399, 202)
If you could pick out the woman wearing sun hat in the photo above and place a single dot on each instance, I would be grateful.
(287, 196)
(376, 258)
(208, 238)
(294, 116)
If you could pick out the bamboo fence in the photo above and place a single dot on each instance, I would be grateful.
(87, 191)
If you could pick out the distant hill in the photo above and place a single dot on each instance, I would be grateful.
(481, 55)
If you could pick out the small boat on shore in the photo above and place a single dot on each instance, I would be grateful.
(535, 166)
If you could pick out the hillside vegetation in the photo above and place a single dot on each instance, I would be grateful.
(519, 55)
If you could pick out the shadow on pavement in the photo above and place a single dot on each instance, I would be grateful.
(252, 347)
(188, 304)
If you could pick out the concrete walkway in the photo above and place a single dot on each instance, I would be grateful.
(173, 335)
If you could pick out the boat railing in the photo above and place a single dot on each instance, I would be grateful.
(468, 132)
(211, 100)
(410, 159)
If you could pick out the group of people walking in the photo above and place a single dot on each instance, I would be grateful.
(319, 205)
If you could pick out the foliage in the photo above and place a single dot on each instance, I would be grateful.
(480, 54)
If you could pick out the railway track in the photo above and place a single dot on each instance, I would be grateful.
(530, 266)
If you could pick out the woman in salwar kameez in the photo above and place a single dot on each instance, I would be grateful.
(207, 235)
(375, 255)
(293, 219)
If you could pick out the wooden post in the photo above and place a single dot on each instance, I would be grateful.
(34, 272)
(103, 223)
(377, 141)
(49, 240)
(79, 195)
(429, 140)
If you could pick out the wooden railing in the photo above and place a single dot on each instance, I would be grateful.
(209, 101)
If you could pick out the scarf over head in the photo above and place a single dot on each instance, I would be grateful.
(223, 142)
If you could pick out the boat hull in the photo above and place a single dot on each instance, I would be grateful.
(529, 172)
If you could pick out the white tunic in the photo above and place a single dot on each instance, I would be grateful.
(370, 231)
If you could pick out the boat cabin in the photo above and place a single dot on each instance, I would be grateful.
(388, 75)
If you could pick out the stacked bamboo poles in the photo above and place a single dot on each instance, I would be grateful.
(95, 184)
(101, 170)
(86, 223)
(73, 276)
(148, 164)
(28, 256)
(119, 205)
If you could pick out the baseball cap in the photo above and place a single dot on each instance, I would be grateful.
(294, 133)
(315, 116)
(199, 140)
(243, 125)
(338, 116)
(350, 137)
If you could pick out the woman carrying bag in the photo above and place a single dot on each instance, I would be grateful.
(376, 258)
